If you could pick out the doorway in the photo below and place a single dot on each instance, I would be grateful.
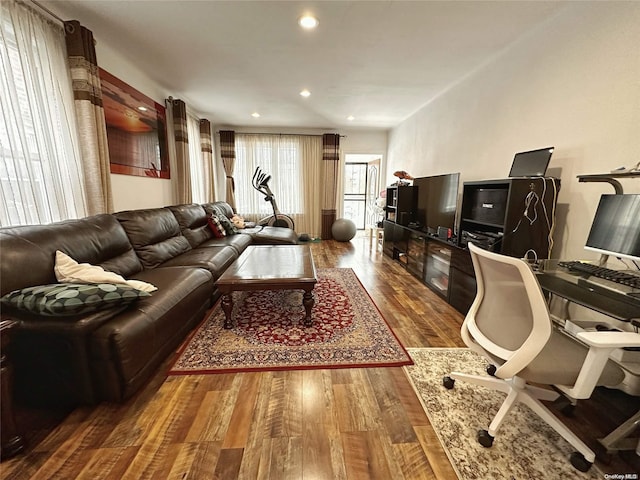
(361, 186)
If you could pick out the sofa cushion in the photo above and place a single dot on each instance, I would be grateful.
(214, 259)
(238, 242)
(72, 298)
(128, 349)
(192, 219)
(28, 252)
(155, 235)
(266, 235)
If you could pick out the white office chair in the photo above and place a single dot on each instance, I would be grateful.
(509, 323)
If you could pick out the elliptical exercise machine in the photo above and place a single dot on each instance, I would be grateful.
(260, 182)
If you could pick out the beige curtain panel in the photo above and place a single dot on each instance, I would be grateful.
(182, 176)
(91, 123)
(228, 155)
(331, 162)
(206, 146)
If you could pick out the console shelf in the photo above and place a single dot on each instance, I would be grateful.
(512, 216)
(497, 214)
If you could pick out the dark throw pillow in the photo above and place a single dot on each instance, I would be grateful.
(228, 225)
(216, 227)
(72, 298)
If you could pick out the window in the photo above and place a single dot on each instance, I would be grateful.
(294, 163)
(41, 177)
(278, 156)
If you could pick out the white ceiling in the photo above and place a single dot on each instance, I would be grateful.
(379, 61)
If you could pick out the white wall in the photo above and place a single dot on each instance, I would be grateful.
(574, 83)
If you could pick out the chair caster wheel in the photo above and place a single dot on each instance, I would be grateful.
(491, 370)
(484, 438)
(579, 462)
(448, 382)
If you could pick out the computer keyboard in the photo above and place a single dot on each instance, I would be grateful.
(616, 276)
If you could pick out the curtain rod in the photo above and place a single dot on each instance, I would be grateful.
(47, 11)
(280, 134)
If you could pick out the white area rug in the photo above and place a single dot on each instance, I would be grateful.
(525, 446)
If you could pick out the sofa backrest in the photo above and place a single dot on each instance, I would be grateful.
(219, 208)
(192, 219)
(154, 234)
(27, 253)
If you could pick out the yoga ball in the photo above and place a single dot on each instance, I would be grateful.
(343, 229)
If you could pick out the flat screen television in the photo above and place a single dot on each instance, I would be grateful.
(616, 227)
(533, 163)
(437, 201)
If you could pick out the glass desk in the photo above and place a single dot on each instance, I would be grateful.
(609, 298)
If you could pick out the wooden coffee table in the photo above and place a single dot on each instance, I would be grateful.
(270, 267)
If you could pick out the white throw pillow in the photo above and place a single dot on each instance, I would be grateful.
(67, 270)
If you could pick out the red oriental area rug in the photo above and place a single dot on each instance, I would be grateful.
(348, 331)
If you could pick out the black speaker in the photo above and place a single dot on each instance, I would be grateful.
(489, 205)
(404, 218)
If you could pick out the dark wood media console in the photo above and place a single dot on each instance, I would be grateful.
(440, 264)
(511, 216)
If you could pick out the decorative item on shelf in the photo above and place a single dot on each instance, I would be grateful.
(379, 206)
(403, 178)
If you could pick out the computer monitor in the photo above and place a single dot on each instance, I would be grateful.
(616, 227)
(532, 163)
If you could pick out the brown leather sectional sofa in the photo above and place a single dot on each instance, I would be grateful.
(110, 354)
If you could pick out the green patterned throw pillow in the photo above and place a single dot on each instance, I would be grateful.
(227, 224)
(72, 298)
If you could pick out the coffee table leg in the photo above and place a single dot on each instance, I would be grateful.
(308, 301)
(227, 307)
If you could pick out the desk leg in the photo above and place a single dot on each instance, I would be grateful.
(227, 307)
(619, 438)
(308, 302)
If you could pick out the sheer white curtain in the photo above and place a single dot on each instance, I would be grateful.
(40, 168)
(196, 165)
(294, 163)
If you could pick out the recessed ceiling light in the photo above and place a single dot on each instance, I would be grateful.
(142, 109)
(305, 93)
(255, 114)
(308, 22)
(351, 117)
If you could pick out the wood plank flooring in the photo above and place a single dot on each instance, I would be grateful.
(307, 424)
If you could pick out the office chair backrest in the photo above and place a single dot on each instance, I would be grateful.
(509, 313)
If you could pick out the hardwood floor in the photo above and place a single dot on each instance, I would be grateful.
(306, 424)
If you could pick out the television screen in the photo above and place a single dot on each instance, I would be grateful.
(616, 226)
(531, 164)
(437, 200)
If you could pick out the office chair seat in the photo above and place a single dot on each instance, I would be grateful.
(509, 324)
(560, 362)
